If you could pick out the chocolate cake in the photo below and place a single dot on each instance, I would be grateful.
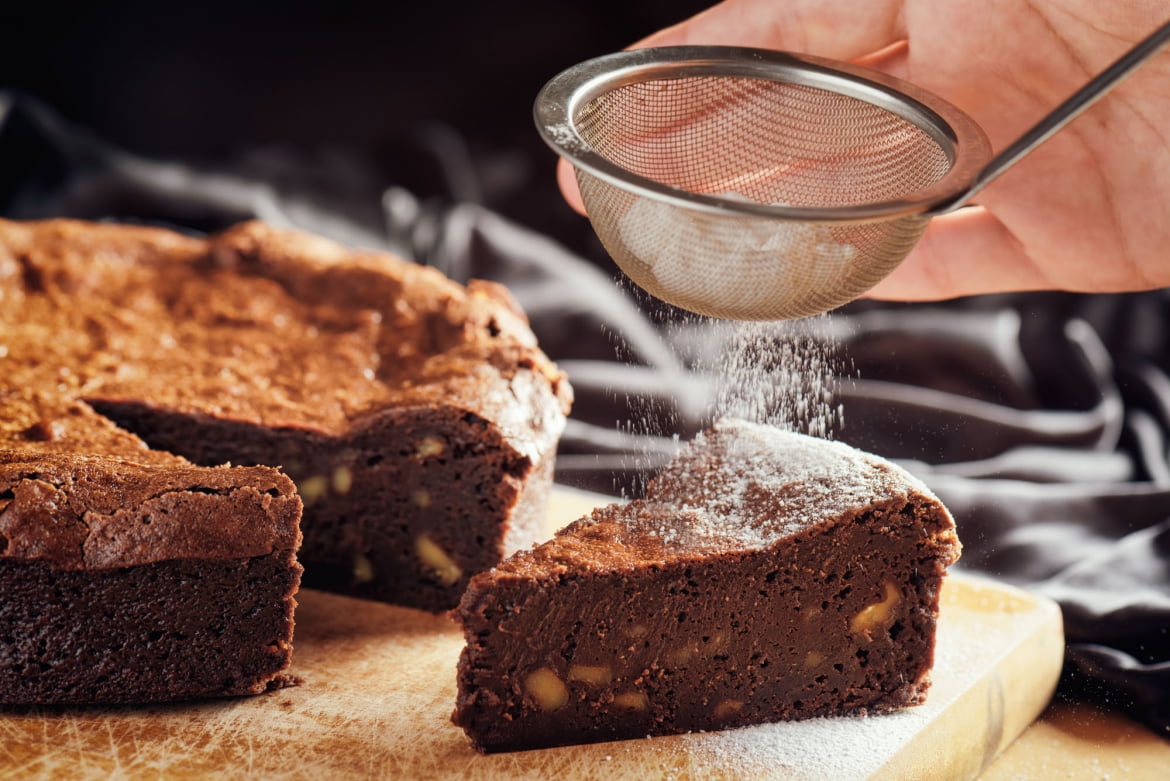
(766, 575)
(417, 416)
(132, 576)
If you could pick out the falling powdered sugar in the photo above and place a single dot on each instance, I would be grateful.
(780, 374)
(766, 467)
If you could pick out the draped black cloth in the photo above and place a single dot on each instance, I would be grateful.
(1041, 420)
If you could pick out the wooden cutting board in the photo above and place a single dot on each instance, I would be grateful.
(379, 686)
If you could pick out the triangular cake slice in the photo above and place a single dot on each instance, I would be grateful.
(765, 576)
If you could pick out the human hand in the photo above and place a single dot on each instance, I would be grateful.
(1089, 210)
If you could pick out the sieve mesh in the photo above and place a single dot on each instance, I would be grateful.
(770, 141)
(749, 139)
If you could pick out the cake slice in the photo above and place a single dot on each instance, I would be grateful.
(766, 575)
(130, 575)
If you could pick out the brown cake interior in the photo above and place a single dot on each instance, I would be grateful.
(164, 631)
(766, 576)
(371, 498)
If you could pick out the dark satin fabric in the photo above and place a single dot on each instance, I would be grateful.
(1041, 420)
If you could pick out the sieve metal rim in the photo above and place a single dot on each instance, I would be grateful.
(958, 135)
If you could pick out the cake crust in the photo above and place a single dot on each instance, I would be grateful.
(87, 513)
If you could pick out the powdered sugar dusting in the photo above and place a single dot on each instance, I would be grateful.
(781, 374)
(849, 747)
(564, 137)
(755, 483)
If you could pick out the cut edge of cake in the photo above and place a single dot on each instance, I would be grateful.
(128, 582)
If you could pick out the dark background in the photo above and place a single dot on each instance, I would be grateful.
(355, 85)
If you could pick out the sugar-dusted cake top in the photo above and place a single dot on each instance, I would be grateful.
(737, 487)
(756, 482)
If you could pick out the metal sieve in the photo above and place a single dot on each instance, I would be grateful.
(758, 185)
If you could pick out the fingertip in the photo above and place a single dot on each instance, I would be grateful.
(568, 183)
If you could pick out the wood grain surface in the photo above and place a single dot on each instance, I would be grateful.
(379, 686)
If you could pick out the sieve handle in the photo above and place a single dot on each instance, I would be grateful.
(1063, 114)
